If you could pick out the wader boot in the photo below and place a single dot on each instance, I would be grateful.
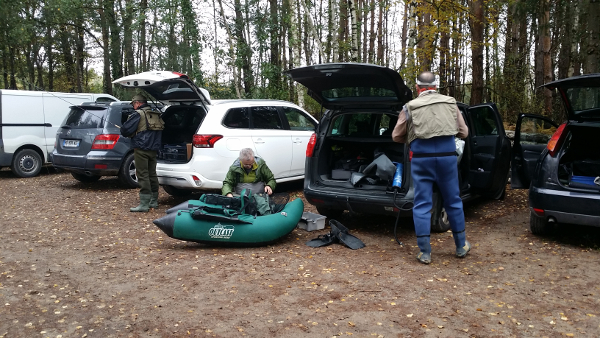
(154, 200)
(425, 246)
(462, 245)
(144, 204)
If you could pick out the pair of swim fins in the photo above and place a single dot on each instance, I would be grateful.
(338, 234)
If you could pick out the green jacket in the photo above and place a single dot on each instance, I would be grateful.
(260, 173)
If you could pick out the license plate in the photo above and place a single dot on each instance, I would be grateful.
(70, 143)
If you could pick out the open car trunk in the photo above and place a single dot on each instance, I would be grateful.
(349, 162)
(181, 124)
(580, 163)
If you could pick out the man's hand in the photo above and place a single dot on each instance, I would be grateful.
(229, 195)
(268, 190)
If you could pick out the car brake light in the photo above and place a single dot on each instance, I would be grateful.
(556, 140)
(310, 147)
(205, 141)
(539, 212)
(105, 141)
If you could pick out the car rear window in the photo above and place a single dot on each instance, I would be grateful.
(585, 100)
(358, 92)
(363, 125)
(85, 118)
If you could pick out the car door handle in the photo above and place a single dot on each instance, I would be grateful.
(298, 140)
(260, 140)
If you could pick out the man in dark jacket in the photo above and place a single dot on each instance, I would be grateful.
(248, 172)
(144, 127)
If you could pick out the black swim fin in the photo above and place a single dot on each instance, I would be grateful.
(322, 240)
(344, 235)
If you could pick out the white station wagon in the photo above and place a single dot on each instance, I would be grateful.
(202, 137)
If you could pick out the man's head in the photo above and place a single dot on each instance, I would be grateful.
(426, 81)
(138, 100)
(247, 158)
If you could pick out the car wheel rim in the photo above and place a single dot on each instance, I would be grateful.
(28, 163)
(444, 216)
(131, 170)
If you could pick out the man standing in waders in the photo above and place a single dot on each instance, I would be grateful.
(145, 129)
(429, 124)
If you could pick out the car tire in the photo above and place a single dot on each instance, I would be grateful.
(171, 190)
(439, 216)
(329, 212)
(538, 225)
(85, 178)
(26, 163)
(127, 176)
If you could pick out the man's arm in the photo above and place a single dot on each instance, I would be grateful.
(268, 177)
(399, 132)
(229, 183)
(463, 130)
(129, 128)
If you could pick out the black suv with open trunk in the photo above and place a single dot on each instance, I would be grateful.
(363, 102)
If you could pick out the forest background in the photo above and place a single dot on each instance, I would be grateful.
(483, 50)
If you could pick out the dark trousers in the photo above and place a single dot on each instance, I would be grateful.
(145, 169)
(443, 171)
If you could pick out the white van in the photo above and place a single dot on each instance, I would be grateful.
(28, 124)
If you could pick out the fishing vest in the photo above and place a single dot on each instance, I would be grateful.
(149, 120)
(431, 115)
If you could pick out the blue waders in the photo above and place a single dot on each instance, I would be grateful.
(442, 170)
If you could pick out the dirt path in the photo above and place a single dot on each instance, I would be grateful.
(74, 262)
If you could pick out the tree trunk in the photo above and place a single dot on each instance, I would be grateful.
(128, 14)
(80, 53)
(115, 39)
(380, 46)
(354, 31)
(50, 54)
(547, 60)
(565, 39)
(444, 56)
(477, 26)
(342, 38)
(244, 52)
(69, 62)
(295, 48)
(142, 48)
(372, 34)
(231, 52)
(592, 60)
(404, 36)
(313, 32)
(106, 83)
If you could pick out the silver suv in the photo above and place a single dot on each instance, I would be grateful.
(89, 143)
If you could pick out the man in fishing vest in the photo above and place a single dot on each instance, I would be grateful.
(145, 129)
(429, 124)
(248, 172)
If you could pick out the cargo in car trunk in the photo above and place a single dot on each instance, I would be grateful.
(344, 160)
(580, 163)
(181, 124)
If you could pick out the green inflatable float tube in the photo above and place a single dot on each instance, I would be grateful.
(223, 224)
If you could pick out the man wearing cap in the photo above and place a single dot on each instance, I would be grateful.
(144, 127)
(429, 124)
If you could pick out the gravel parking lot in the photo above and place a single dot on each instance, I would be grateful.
(74, 262)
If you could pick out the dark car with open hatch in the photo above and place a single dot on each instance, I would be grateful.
(560, 164)
(362, 103)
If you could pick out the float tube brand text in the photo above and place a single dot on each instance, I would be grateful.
(221, 231)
